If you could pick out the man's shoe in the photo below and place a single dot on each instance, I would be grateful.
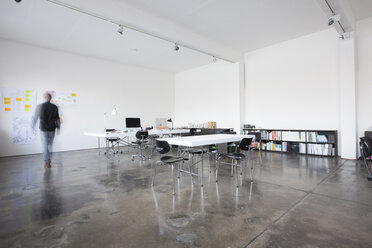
(47, 165)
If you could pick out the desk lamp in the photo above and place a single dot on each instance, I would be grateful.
(113, 113)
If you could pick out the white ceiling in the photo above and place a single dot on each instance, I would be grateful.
(361, 8)
(243, 25)
(41, 23)
(249, 24)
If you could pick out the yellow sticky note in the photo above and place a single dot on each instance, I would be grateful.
(28, 100)
(28, 109)
(6, 98)
(28, 91)
(73, 94)
(7, 103)
(27, 106)
(28, 95)
(19, 99)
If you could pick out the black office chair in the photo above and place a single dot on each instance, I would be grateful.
(366, 151)
(193, 131)
(163, 148)
(141, 143)
(112, 145)
(245, 145)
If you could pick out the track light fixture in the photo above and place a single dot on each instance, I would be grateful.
(214, 59)
(176, 47)
(333, 19)
(121, 29)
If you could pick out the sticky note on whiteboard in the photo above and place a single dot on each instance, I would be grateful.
(19, 99)
(73, 94)
(8, 109)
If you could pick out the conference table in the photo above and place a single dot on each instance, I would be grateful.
(125, 135)
(204, 140)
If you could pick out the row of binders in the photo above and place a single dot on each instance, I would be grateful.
(315, 149)
(321, 149)
(315, 137)
(294, 136)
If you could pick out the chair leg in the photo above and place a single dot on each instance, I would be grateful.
(209, 162)
(236, 173)
(192, 181)
(173, 188)
(153, 176)
(232, 168)
(217, 165)
(251, 170)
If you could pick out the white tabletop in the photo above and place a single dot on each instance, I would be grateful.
(123, 134)
(202, 140)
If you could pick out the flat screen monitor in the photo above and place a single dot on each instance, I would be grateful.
(132, 122)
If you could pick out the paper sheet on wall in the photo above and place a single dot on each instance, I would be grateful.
(63, 100)
(23, 133)
(16, 100)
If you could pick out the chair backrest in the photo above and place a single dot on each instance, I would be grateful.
(192, 131)
(366, 145)
(163, 146)
(245, 144)
(142, 135)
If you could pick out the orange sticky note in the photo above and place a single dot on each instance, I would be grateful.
(8, 109)
(19, 99)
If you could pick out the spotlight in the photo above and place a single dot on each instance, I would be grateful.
(121, 29)
(333, 19)
(18, 1)
(176, 47)
(214, 59)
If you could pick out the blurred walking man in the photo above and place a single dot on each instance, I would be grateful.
(47, 112)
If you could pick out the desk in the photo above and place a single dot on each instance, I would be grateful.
(122, 135)
(203, 140)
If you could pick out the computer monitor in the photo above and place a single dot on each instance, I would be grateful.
(132, 122)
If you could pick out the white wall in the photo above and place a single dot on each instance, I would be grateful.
(136, 91)
(364, 75)
(208, 93)
(294, 84)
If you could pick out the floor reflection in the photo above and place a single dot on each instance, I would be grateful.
(51, 203)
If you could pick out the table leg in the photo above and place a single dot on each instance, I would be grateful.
(99, 146)
(202, 168)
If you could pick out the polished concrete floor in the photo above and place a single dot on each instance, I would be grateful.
(86, 200)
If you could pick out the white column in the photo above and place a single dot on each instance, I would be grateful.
(348, 128)
(235, 103)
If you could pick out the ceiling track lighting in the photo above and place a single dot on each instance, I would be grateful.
(121, 29)
(214, 59)
(176, 47)
(334, 18)
(134, 28)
